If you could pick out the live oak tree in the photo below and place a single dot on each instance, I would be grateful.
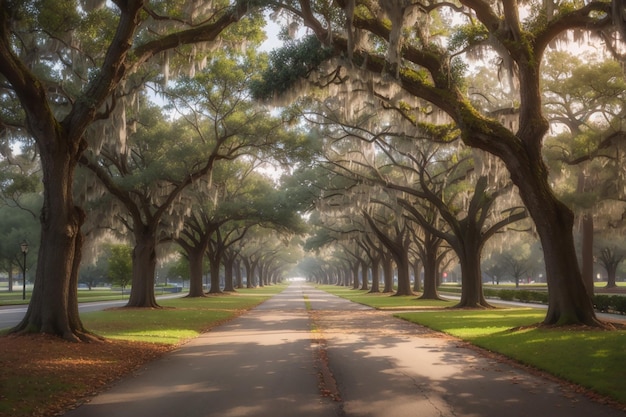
(71, 64)
(214, 122)
(373, 249)
(465, 187)
(276, 262)
(430, 250)
(145, 183)
(238, 199)
(610, 257)
(393, 232)
(414, 65)
(469, 203)
(584, 102)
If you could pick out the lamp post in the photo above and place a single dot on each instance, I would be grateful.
(24, 249)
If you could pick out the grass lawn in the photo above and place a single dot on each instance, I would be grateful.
(180, 319)
(594, 359)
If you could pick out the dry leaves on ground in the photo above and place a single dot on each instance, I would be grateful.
(44, 375)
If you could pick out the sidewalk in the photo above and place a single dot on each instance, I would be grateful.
(260, 364)
(388, 367)
(266, 364)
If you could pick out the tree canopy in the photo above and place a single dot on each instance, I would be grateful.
(399, 128)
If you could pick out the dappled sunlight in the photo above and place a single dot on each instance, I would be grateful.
(426, 373)
(337, 358)
(402, 405)
(604, 353)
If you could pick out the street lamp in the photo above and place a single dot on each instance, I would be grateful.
(24, 249)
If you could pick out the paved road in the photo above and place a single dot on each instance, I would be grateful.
(336, 359)
(10, 316)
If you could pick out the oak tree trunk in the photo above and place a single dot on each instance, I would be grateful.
(195, 256)
(472, 295)
(568, 299)
(417, 269)
(404, 278)
(228, 275)
(53, 307)
(355, 276)
(238, 274)
(611, 276)
(587, 252)
(611, 271)
(364, 277)
(387, 274)
(431, 247)
(375, 288)
(144, 268)
(214, 272)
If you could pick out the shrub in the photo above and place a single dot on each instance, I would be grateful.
(619, 304)
(602, 302)
(610, 303)
(507, 295)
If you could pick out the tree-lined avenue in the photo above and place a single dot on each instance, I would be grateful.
(308, 353)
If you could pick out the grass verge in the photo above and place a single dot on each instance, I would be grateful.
(179, 319)
(44, 375)
(385, 301)
(593, 359)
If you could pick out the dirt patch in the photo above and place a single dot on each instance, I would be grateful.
(44, 375)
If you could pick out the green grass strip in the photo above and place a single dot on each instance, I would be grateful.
(179, 319)
(385, 301)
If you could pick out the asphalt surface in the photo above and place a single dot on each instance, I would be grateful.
(336, 358)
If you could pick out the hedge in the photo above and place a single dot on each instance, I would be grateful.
(602, 303)
(610, 303)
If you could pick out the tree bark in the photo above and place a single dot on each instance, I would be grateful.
(404, 279)
(228, 274)
(238, 275)
(375, 288)
(214, 269)
(261, 275)
(249, 266)
(195, 255)
(611, 272)
(144, 268)
(387, 273)
(472, 295)
(53, 307)
(568, 299)
(417, 269)
(364, 278)
(430, 261)
(587, 252)
(355, 275)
